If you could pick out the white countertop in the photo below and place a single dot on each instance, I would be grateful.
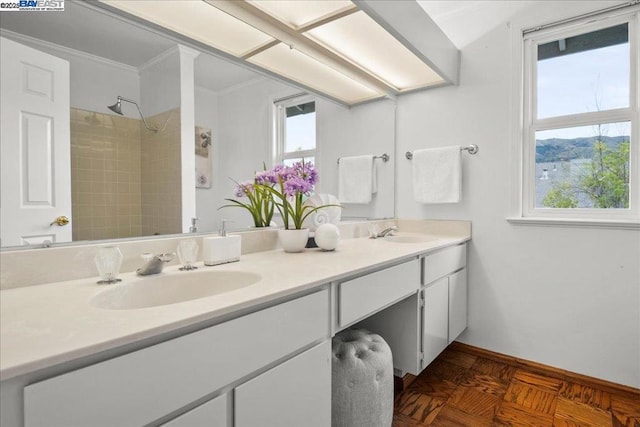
(43, 325)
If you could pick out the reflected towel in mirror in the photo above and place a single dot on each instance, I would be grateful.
(356, 179)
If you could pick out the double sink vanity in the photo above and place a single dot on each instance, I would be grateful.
(241, 344)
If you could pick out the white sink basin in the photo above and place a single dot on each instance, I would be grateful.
(410, 238)
(164, 289)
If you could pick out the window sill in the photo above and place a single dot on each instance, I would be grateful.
(565, 222)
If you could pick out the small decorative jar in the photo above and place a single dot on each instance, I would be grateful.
(108, 262)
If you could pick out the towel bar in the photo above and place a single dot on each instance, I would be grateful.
(472, 149)
(385, 157)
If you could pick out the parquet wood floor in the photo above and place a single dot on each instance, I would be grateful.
(466, 388)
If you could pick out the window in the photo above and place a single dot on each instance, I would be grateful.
(295, 136)
(580, 121)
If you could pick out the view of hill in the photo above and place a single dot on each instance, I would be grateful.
(558, 150)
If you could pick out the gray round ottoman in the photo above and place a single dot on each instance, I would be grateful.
(362, 380)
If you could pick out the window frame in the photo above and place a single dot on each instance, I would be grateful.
(529, 124)
(279, 143)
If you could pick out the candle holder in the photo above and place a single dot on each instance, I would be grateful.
(188, 254)
(108, 262)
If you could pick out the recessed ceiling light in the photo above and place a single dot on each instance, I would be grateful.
(329, 46)
(199, 21)
(299, 14)
(297, 66)
(360, 39)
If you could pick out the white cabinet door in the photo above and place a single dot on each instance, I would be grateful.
(295, 393)
(436, 319)
(457, 304)
(212, 414)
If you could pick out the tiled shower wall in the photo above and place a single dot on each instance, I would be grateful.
(125, 179)
(161, 173)
(105, 176)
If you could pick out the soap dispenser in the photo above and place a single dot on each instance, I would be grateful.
(194, 227)
(221, 249)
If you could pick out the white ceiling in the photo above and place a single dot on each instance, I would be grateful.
(91, 30)
(464, 21)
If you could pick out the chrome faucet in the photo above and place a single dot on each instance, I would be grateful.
(154, 263)
(386, 232)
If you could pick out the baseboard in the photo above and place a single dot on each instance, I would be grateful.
(546, 370)
(400, 384)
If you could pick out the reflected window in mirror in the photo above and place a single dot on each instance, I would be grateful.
(295, 130)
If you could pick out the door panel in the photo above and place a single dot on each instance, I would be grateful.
(457, 304)
(436, 319)
(35, 145)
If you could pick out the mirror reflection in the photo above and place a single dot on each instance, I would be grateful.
(159, 130)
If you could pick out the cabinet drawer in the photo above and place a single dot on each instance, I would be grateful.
(368, 294)
(142, 386)
(212, 413)
(443, 262)
(295, 393)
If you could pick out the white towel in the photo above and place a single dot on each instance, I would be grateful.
(437, 175)
(356, 179)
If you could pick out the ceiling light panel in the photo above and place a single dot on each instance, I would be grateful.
(299, 67)
(199, 21)
(363, 41)
(297, 13)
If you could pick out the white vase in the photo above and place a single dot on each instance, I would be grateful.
(293, 240)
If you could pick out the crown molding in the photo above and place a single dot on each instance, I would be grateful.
(159, 58)
(66, 50)
(188, 52)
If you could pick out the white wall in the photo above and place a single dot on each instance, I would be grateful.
(245, 140)
(95, 82)
(207, 199)
(160, 89)
(566, 297)
(96, 85)
(364, 129)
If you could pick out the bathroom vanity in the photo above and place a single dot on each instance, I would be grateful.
(255, 356)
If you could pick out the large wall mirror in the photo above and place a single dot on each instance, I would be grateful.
(191, 122)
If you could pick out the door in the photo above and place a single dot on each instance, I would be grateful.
(436, 319)
(34, 146)
(457, 303)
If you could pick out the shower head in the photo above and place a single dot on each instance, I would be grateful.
(117, 108)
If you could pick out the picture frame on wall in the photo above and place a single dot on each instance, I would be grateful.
(203, 143)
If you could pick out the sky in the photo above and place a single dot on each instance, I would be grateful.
(580, 83)
(301, 132)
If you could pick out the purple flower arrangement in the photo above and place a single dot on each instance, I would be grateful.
(282, 187)
(260, 203)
